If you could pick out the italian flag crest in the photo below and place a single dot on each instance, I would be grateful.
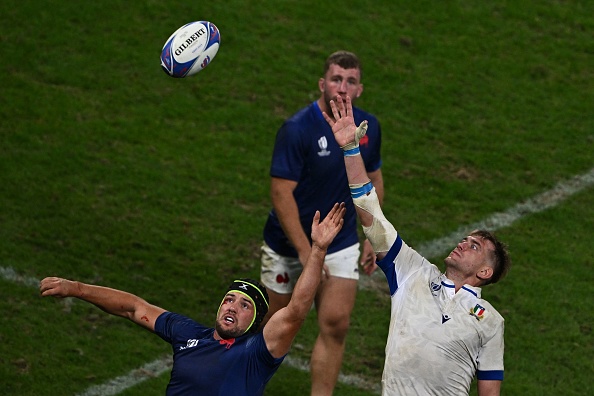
(478, 311)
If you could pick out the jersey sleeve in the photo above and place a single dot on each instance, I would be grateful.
(258, 344)
(490, 358)
(164, 326)
(287, 156)
(174, 328)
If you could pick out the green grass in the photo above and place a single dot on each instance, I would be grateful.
(113, 173)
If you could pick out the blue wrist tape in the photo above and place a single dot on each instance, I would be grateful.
(359, 191)
(351, 152)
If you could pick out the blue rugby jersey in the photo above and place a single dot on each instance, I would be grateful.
(305, 151)
(208, 367)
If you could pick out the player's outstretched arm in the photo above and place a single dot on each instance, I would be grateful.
(377, 229)
(112, 301)
(283, 326)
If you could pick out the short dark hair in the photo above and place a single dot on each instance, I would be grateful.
(344, 59)
(499, 255)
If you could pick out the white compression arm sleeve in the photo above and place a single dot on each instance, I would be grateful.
(381, 233)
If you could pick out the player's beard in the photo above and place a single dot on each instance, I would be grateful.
(228, 333)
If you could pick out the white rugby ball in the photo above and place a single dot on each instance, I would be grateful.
(190, 49)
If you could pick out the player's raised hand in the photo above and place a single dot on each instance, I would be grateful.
(322, 234)
(343, 126)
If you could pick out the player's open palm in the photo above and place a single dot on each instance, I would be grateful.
(322, 234)
(343, 125)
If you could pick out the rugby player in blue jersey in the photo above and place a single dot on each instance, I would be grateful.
(234, 357)
(307, 174)
(442, 333)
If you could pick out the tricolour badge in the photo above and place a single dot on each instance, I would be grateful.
(478, 312)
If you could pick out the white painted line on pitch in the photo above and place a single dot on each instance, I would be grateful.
(548, 199)
(9, 274)
(541, 202)
(353, 380)
(160, 366)
(136, 376)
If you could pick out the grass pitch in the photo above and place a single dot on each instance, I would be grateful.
(114, 173)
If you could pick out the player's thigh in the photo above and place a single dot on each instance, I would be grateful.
(336, 295)
(334, 303)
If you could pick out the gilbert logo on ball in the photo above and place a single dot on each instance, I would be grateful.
(190, 49)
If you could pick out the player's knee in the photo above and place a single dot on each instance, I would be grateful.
(336, 327)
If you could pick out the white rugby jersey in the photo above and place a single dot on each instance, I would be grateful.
(438, 339)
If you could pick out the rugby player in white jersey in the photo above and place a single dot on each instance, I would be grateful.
(442, 334)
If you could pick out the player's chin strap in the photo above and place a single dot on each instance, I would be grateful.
(381, 233)
(352, 148)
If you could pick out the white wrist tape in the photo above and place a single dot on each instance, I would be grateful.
(381, 233)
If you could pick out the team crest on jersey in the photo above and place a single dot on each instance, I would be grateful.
(478, 312)
(323, 144)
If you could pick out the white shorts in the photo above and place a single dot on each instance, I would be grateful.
(280, 273)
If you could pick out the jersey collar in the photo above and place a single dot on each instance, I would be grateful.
(318, 111)
(450, 288)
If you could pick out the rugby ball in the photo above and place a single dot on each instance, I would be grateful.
(190, 49)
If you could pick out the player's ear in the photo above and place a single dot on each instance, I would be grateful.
(485, 273)
(360, 91)
(322, 84)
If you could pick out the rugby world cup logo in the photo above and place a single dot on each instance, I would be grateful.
(323, 145)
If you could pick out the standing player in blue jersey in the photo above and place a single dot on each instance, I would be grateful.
(442, 333)
(307, 173)
(234, 357)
